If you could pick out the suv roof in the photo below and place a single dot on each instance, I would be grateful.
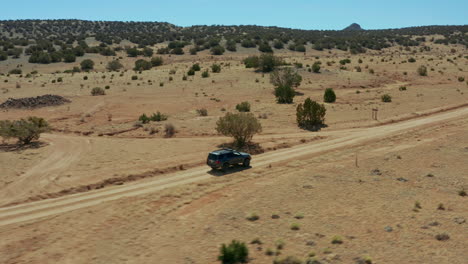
(222, 151)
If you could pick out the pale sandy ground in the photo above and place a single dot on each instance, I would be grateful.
(177, 226)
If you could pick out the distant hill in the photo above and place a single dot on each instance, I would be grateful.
(353, 27)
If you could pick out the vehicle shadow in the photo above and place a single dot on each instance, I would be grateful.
(230, 170)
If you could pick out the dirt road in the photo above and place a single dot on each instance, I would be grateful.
(36, 210)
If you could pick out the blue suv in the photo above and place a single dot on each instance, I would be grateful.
(224, 158)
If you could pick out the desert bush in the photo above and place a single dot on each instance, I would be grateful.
(402, 88)
(144, 119)
(87, 65)
(343, 62)
(386, 98)
(268, 62)
(337, 240)
(202, 112)
(310, 114)
(288, 260)
(205, 74)
(169, 130)
(329, 96)
(114, 65)
(177, 51)
(278, 44)
(284, 94)
(15, 71)
(134, 77)
(316, 67)
(158, 117)
(191, 72)
(412, 60)
(69, 57)
(235, 252)
(295, 226)
(240, 126)
(25, 130)
(97, 91)
(252, 217)
(251, 62)
(142, 65)
(216, 68)
(285, 77)
(243, 107)
(196, 67)
(265, 47)
(157, 61)
(217, 50)
(422, 70)
(461, 79)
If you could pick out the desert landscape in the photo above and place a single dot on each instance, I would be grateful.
(119, 174)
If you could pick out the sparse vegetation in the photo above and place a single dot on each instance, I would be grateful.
(243, 107)
(329, 96)
(240, 126)
(25, 130)
(386, 98)
(97, 91)
(235, 252)
(310, 114)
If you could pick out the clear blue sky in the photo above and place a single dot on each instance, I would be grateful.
(305, 14)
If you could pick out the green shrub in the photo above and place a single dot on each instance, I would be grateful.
(216, 68)
(461, 79)
(240, 126)
(87, 65)
(284, 94)
(295, 226)
(343, 62)
(97, 91)
(205, 74)
(265, 47)
(202, 112)
(329, 96)
(422, 70)
(337, 240)
(310, 114)
(157, 61)
(235, 252)
(142, 65)
(402, 88)
(288, 260)
(316, 67)
(251, 62)
(191, 72)
(144, 119)
(412, 60)
(243, 107)
(134, 77)
(196, 67)
(217, 50)
(15, 71)
(158, 117)
(114, 65)
(386, 98)
(25, 130)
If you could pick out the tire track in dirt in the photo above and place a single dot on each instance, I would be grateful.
(36, 210)
(64, 151)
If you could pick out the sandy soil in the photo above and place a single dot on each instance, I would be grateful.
(85, 196)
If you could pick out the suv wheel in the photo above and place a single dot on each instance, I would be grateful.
(225, 166)
(246, 163)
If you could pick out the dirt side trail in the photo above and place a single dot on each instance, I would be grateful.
(36, 210)
(64, 151)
